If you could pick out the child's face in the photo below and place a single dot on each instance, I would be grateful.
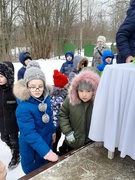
(3, 80)
(100, 43)
(69, 58)
(36, 87)
(108, 60)
(85, 95)
(27, 61)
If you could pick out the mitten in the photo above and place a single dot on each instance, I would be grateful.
(51, 156)
(70, 137)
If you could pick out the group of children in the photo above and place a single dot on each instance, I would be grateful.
(41, 113)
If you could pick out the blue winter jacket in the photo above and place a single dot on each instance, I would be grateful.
(67, 66)
(125, 37)
(35, 138)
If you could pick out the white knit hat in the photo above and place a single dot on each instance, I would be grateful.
(101, 38)
(33, 71)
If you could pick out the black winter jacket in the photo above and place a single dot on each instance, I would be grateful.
(125, 37)
(8, 123)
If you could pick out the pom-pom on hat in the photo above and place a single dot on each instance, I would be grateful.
(101, 38)
(59, 79)
(33, 71)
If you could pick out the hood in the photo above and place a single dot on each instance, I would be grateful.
(88, 76)
(131, 7)
(23, 56)
(79, 61)
(7, 69)
(107, 53)
(69, 53)
(23, 93)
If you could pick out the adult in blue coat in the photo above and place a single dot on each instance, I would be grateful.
(24, 59)
(34, 118)
(125, 37)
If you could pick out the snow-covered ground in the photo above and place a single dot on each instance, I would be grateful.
(5, 155)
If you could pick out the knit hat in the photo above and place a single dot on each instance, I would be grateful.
(7, 70)
(85, 86)
(23, 56)
(59, 79)
(69, 53)
(101, 38)
(33, 71)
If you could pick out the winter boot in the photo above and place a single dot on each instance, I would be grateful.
(15, 159)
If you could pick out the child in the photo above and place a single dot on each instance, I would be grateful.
(34, 118)
(58, 96)
(8, 124)
(107, 58)
(98, 51)
(75, 113)
(24, 59)
(67, 66)
(79, 63)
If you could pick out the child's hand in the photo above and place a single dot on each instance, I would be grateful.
(51, 156)
(3, 171)
(70, 137)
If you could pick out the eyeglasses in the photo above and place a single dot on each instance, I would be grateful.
(40, 88)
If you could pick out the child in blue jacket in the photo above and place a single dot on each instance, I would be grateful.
(107, 58)
(24, 59)
(67, 66)
(34, 118)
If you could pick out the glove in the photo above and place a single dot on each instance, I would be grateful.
(70, 137)
(51, 156)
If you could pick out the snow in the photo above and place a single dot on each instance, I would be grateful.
(5, 154)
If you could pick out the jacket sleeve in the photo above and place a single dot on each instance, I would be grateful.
(64, 117)
(62, 68)
(124, 34)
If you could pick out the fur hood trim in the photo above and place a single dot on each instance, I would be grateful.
(22, 93)
(84, 62)
(88, 76)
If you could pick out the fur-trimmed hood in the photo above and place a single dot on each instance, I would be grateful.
(88, 76)
(21, 92)
(79, 61)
